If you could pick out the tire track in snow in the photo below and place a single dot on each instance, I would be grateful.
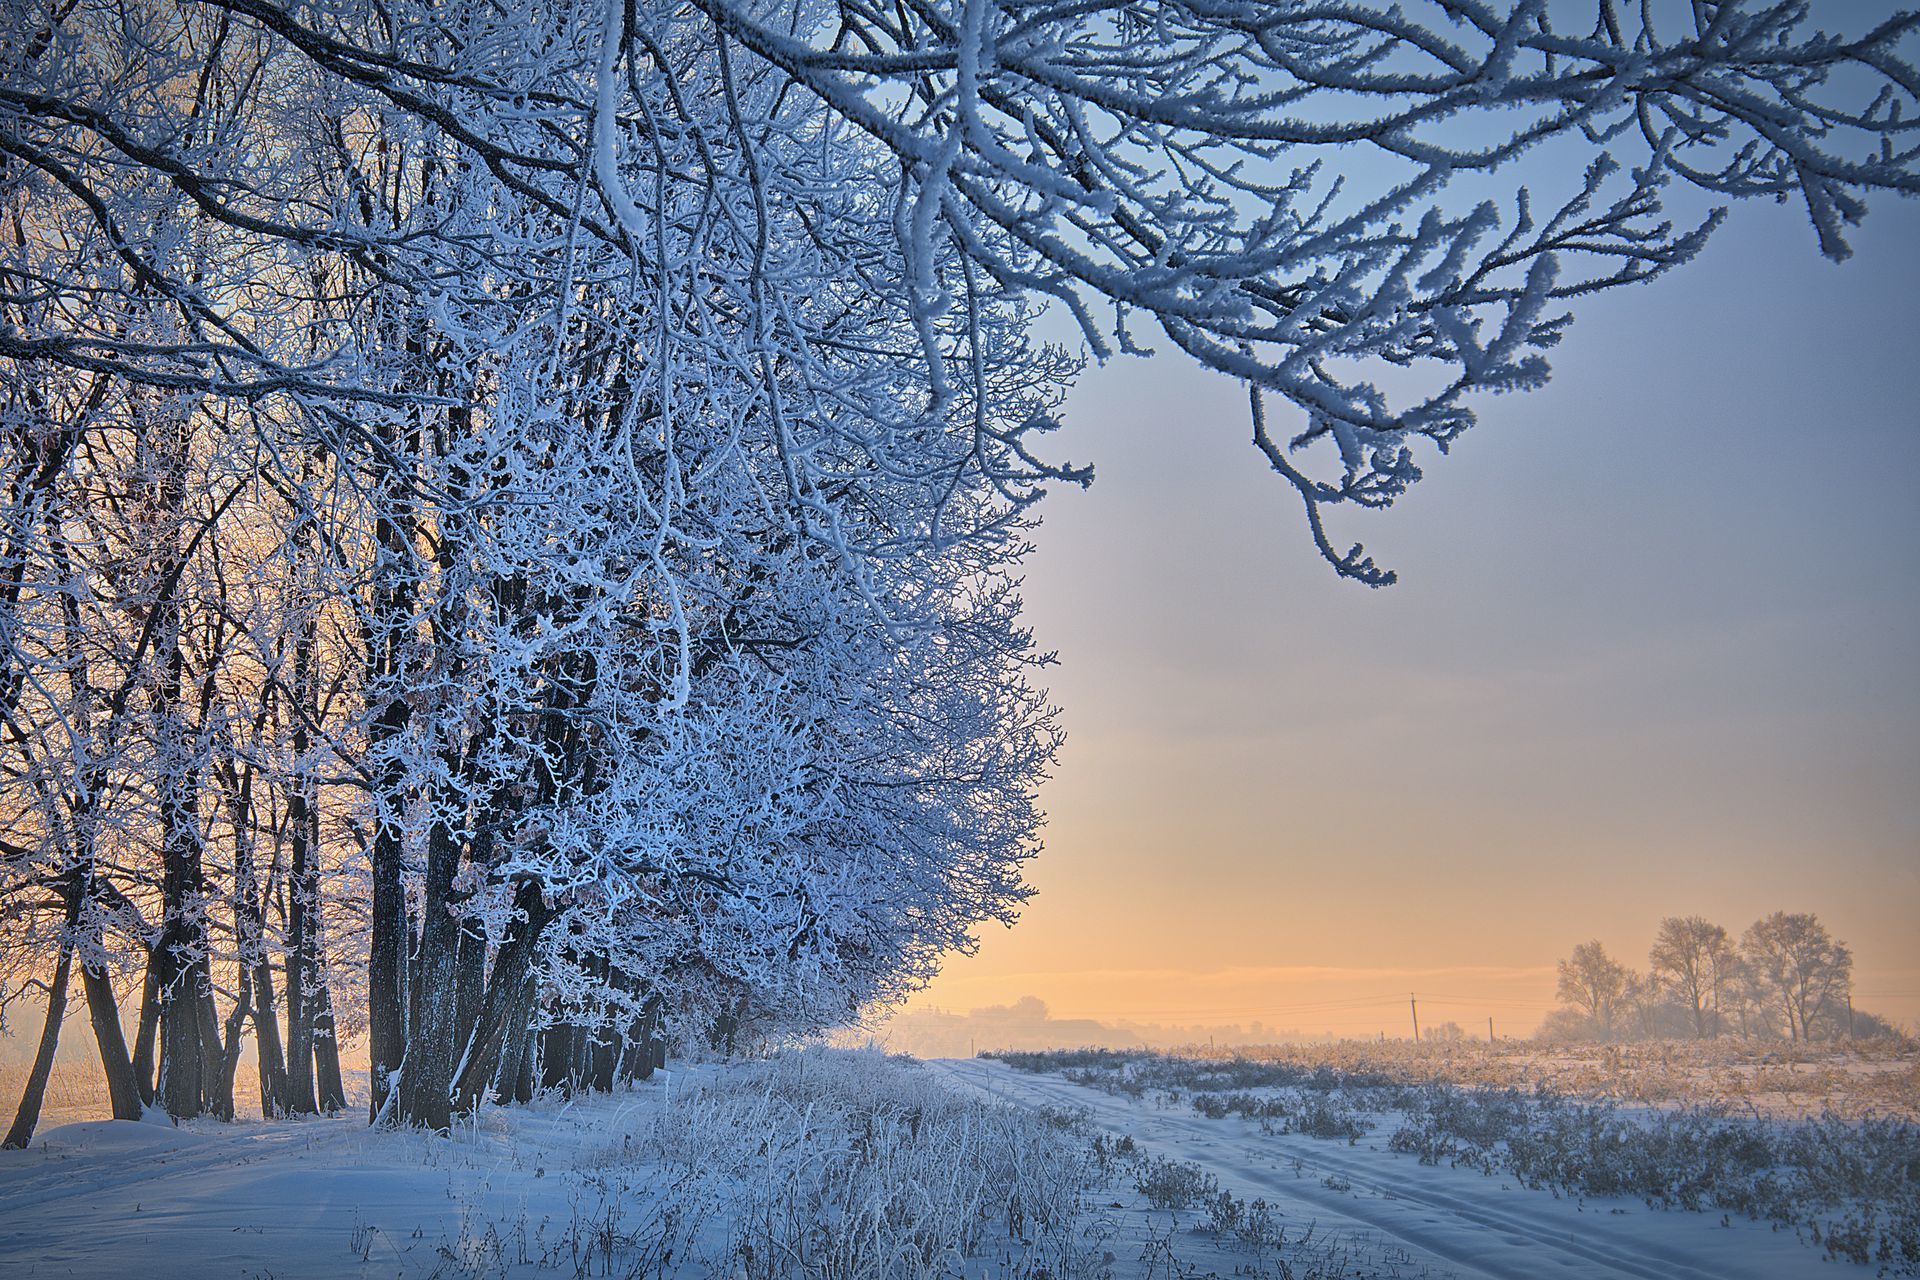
(1404, 1202)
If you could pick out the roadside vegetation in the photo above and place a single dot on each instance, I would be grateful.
(1845, 1178)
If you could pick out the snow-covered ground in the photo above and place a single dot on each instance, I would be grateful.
(821, 1163)
(308, 1198)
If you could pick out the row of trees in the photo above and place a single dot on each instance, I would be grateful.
(510, 513)
(1786, 976)
(448, 604)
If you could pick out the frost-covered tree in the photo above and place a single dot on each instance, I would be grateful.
(1801, 971)
(1297, 194)
(1595, 984)
(1692, 960)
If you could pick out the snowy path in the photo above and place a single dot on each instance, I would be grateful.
(289, 1200)
(1457, 1220)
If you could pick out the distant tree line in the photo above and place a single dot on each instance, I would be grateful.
(1785, 978)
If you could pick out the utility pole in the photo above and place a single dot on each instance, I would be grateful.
(1849, 1015)
(1489, 1028)
(1415, 1006)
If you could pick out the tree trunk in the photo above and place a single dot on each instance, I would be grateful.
(266, 1039)
(303, 836)
(180, 1087)
(250, 929)
(559, 1054)
(216, 1098)
(498, 1044)
(103, 1010)
(389, 640)
(189, 1032)
(427, 1079)
(326, 1052)
(144, 1038)
(387, 951)
(386, 958)
(189, 1040)
(303, 895)
(221, 1104)
(603, 1054)
(28, 1116)
(470, 977)
(638, 1058)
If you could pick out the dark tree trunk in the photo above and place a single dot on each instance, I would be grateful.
(499, 1042)
(639, 1052)
(189, 1032)
(299, 1094)
(217, 1083)
(726, 1028)
(28, 1116)
(326, 1051)
(303, 876)
(221, 1103)
(266, 1038)
(513, 1080)
(303, 894)
(181, 1085)
(427, 1080)
(144, 1038)
(523, 1067)
(386, 958)
(103, 1010)
(470, 977)
(388, 639)
(600, 1055)
(250, 929)
(559, 1057)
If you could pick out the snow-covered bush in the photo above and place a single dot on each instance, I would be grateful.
(852, 1164)
(1317, 1113)
(1174, 1184)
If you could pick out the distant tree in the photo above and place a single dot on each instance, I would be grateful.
(1801, 968)
(1564, 1024)
(1642, 1002)
(1743, 1001)
(1689, 961)
(1594, 983)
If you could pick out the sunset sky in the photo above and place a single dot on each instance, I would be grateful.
(1654, 651)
